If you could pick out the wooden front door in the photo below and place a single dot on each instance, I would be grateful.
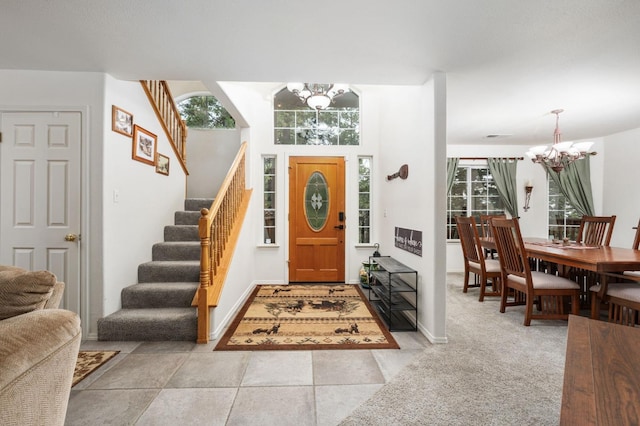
(316, 219)
(40, 196)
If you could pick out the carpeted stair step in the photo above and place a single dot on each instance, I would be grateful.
(158, 307)
(176, 250)
(159, 295)
(196, 204)
(159, 324)
(186, 218)
(181, 233)
(169, 271)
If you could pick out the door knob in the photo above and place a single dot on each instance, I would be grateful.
(71, 237)
(339, 227)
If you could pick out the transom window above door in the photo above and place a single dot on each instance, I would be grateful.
(295, 123)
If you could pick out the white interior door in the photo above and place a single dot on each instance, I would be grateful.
(40, 195)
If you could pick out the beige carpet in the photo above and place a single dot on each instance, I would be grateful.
(307, 316)
(90, 361)
(493, 371)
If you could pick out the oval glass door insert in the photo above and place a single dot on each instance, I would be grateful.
(316, 201)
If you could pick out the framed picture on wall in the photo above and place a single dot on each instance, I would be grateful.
(162, 164)
(144, 145)
(121, 121)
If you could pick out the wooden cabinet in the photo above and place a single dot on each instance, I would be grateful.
(394, 293)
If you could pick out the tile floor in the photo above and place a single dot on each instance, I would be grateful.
(183, 383)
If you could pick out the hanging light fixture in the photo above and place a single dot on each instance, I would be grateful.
(560, 154)
(317, 96)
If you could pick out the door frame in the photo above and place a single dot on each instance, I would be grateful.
(286, 196)
(85, 201)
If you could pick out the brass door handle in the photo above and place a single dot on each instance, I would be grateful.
(71, 237)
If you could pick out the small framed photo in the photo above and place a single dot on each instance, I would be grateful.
(121, 121)
(162, 164)
(144, 145)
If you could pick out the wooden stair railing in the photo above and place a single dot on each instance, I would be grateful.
(175, 128)
(219, 228)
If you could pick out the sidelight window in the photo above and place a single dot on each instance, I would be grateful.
(269, 201)
(364, 200)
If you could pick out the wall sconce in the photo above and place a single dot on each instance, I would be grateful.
(528, 189)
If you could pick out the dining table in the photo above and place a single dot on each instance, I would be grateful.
(605, 261)
(601, 375)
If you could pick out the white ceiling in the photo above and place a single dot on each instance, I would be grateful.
(508, 63)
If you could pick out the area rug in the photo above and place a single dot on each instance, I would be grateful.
(306, 316)
(90, 361)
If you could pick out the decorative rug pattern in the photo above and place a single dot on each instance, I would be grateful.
(306, 316)
(88, 362)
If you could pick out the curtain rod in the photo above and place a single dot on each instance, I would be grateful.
(486, 158)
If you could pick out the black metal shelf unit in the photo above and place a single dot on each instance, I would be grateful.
(394, 293)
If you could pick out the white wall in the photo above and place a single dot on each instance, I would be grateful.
(411, 127)
(146, 200)
(621, 184)
(210, 152)
(534, 222)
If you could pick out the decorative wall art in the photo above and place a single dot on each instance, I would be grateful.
(409, 240)
(144, 145)
(162, 164)
(121, 121)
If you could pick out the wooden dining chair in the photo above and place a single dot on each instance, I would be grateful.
(474, 261)
(485, 229)
(529, 286)
(593, 231)
(622, 296)
(634, 275)
(596, 230)
(624, 304)
(636, 239)
(622, 300)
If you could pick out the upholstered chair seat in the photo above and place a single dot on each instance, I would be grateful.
(542, 280)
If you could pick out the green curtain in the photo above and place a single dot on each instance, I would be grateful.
(503, 171)
(452, 166)
(575, 184)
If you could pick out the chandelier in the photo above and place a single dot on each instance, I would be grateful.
(560, 154)
(317, 96)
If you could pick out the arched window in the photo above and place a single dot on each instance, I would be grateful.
(205, 112)
(297, 124)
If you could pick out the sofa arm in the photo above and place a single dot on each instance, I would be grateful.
(38, 354)
(56, 296)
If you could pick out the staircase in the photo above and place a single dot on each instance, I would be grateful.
(159, 307)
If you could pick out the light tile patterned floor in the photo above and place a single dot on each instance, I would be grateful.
(170, 383)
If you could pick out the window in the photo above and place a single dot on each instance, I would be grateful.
(564, 220)
(205, 112)
(364, 200)
(473, 193)
(297, 124)
(269, 206)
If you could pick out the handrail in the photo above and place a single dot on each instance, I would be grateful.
(175, 128)
(215, 227)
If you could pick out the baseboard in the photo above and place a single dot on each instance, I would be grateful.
(431, 338)
(218, 329)
(90, 336)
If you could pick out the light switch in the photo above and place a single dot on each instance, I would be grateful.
(116, 196)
